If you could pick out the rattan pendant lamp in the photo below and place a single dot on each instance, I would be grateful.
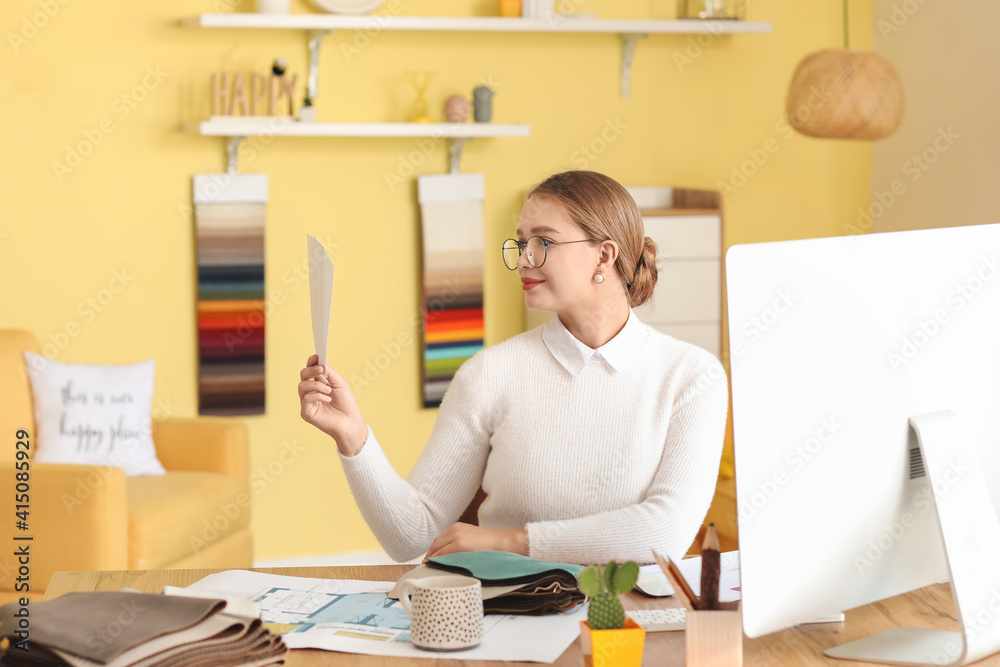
(845, 94)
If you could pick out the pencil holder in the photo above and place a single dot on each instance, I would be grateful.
(714, 638)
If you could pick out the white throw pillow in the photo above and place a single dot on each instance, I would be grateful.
(95, 415)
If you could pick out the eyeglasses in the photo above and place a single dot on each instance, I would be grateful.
(537, 250)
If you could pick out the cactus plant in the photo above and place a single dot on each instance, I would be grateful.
(603, 585)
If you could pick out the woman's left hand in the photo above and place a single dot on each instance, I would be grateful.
(466, 537)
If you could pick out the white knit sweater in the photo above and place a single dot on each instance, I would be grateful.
(600, 454)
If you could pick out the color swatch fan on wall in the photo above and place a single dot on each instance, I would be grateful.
(230, 212)
(451, 208)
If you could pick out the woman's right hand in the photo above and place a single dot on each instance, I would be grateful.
(328, 404)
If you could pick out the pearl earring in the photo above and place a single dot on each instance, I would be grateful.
(598, 277)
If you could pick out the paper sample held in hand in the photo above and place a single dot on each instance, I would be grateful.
(320, 294)
(127, 628)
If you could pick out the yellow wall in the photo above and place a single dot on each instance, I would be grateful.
(939, 168)
(125, 207)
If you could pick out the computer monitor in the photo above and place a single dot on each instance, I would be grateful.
(834, 345)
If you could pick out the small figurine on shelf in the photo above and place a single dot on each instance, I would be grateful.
(482, 104)
(456, 109)
(607, 634)
(421, 109)
(307, 114)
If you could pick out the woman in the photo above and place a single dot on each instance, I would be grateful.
(596, 437)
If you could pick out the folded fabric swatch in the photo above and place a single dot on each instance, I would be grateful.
(504, 568)
(517, 584)
(129, 629)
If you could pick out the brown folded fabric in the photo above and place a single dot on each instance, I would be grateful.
(533, 605)
(38, 657)
(255, 642)
(207, 637)
(552, 590)
(219, 626)
(99, 626)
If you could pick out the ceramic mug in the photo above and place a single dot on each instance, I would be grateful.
(446, 612)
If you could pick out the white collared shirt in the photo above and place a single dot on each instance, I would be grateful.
(599, 454)
(573, 354)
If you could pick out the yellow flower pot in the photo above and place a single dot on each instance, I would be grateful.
(613, 648)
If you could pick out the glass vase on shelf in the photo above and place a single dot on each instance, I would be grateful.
(712, 9)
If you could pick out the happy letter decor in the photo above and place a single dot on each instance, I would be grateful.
(253, 93)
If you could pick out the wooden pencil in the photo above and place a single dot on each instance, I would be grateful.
(677, 581)
(711, 568)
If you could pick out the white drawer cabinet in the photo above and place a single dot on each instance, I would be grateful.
(687, 291)
(686, 226)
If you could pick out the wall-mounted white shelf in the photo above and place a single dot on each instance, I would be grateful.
(318, 26)
(283, 127)
(237, 129)
(475, 23)
(629, 31)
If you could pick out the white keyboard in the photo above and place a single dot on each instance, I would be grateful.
(659, 620)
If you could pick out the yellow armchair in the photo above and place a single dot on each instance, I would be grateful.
(94, 518)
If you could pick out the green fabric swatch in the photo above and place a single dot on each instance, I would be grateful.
(502, 567)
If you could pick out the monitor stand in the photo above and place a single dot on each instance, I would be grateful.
(970, 533)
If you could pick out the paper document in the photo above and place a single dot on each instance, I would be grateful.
(320, 294)
(729, 579)
(357, 617)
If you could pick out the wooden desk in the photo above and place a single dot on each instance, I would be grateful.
(803, 645)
